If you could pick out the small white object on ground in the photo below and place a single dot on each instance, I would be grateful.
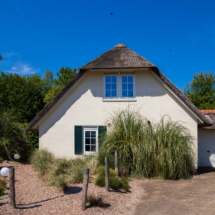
(6, 161)
(16, 156)
(5, 171)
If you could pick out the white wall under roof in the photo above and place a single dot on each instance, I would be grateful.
(84, 106)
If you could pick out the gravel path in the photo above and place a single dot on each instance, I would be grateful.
(32, 197)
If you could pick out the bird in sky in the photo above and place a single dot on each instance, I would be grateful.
(111, 13)
(0, 57)
(170, 50)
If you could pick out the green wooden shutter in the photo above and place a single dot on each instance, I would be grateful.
(78, 139)
(102, 131)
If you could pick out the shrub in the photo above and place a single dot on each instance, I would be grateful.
(101, 159)
(163, 149)
(3, 184)
(42, 160)
(114, 183)
(101, 171)
(100, 181)
(13, 138)
(96, 201)
(60, 172)
(124, 184)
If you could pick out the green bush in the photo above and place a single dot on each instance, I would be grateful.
(13, 138)
(60, 172)
(162, 149)
(101, 159)
(100, 181)
(101, 171)
(114, 183)
(42, 161)
(3, 184)
(124, 184)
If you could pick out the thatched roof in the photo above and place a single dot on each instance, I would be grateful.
(210, 114)
(120, 57)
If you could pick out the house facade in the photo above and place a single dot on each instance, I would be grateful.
(70, 125)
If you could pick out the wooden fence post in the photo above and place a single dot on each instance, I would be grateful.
(107, 173)
(12, 187)
(85, 187)
(117, 163)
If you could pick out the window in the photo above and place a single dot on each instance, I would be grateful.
(110, 86)
(90, 140)
(127, 86)
(119, 86)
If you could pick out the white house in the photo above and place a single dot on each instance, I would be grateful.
(71, 123)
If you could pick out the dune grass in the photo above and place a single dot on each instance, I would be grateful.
(3, 184)
(61, 172)
(161, 150)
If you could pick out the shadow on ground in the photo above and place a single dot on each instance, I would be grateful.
(72, 190)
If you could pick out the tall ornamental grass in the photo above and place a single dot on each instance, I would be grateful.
(160, 150)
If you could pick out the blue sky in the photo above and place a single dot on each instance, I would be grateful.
(50, 34)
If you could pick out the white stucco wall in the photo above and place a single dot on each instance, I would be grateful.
(206, 147)
(84, 106)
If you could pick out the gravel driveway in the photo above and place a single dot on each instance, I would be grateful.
(194, 196)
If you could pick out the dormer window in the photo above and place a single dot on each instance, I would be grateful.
(119, 87)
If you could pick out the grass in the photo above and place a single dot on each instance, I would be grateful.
(114, 183)
(61, 172)
(101, 171)
(146, 149)
(3, 184)
(96, 201)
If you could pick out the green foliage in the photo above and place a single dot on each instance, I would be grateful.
(3, 184)
(41, 160)
(114, 183)
(60, 172)
(125, 184)
(48, 80)
(64, 76)
(201, 90)
(100, 181)
(96, 201)
(101, 158)
(161, 150)
(12, 138)
(101, 171)
(21, 95)
(51, 94)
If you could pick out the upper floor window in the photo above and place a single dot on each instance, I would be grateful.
(119, 86)
(127, 86)
(110, 86)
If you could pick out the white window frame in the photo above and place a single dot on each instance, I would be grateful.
(119, 88)
(90, 128)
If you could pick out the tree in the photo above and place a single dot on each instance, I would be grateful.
(65, 75)
(51, 94)
(21, 95)
(201, 90)
(12, 138)
(48, 80)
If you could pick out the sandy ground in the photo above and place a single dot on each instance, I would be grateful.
(33, 197)
(194, 196)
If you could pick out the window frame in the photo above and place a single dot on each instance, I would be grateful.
(90, 128)
(119, 87)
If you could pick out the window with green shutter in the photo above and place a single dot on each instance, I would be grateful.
(86, 139)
